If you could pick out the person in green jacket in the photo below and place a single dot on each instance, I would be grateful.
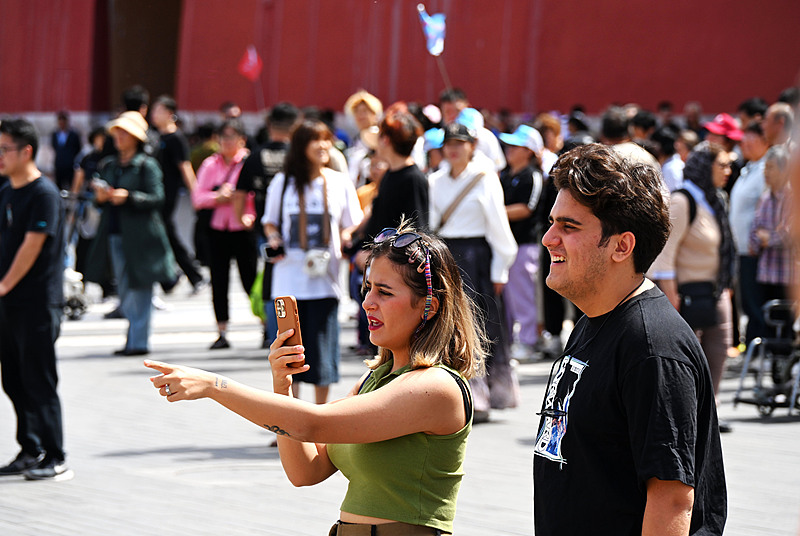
(131, 233)
(400, 435)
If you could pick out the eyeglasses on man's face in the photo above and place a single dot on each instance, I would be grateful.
(8, 148)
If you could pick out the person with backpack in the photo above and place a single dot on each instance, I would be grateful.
(695, 269)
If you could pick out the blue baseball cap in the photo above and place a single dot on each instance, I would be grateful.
(434, 139)
(470, 118)
(524, 136)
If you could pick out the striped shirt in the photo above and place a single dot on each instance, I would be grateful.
(775, 262)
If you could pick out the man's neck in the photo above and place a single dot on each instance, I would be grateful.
(169, 128)
(627, 288)
(279, 136)
(519, 168)
(397, 162)
(25, 176)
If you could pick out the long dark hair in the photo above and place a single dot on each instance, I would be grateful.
(297, 164)
(698, 170)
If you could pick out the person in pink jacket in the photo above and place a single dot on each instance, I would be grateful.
(228, 238)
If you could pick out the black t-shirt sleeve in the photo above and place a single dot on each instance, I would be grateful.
(250, 168)
(181, 150)
(176, 150)
(660, 397)
(44, 214)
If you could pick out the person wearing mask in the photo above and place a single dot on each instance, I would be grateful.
(467, 211)
(228, 237)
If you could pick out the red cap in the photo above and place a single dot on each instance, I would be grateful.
(725, 125)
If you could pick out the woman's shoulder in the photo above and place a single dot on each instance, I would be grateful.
(336, 177)
(209, 162)
(147, 161)
(439, 375)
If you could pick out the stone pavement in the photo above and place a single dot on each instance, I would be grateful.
(144, 466)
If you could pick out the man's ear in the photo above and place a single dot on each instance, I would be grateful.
(434, 308)
(623, 249)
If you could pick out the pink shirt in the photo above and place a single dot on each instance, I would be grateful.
(213, 172)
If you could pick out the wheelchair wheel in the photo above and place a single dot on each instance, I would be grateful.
(765, 410)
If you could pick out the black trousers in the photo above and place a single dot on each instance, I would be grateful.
(187, 263)
(28, 365)
(225, 246)
(474, 258)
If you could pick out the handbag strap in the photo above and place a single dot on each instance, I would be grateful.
(460, 197)
(326, 223)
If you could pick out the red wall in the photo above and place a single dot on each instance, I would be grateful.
(526, 55)
(45, 55)
(715, 52)
(521, 54)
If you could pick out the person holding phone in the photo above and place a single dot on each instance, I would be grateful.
(131, 235)
(308, 207)
(228, 237)
(400, 434)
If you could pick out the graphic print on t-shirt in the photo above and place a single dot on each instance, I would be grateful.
(313, 231)
(554, 424)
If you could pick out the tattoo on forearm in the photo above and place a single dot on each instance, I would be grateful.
(276, 430)
(217, 382)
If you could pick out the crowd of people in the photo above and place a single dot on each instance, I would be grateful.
(494, 232)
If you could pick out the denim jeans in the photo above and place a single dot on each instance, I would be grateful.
(136, 303)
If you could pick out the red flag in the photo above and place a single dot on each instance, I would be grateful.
(250, 65)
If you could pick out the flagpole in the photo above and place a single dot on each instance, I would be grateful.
(259, 94)
(443, 72)
(439, 61)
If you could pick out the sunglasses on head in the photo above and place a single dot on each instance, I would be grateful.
(421, 253)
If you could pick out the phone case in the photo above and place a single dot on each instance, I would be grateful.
(286, 311)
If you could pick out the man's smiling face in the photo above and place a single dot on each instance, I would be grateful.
(578, 263)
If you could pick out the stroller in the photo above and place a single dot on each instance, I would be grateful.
(75, 300)
(776, 365)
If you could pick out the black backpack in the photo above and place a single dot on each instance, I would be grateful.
(692, 204)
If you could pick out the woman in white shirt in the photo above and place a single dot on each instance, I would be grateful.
(468, 212)
(308, 206)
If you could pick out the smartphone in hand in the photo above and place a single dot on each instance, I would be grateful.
(272, 254)
(286, 311)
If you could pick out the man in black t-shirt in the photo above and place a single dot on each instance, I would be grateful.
(628, 440)
(173, 156)
(256, 175)
(31, 296)
(264, 163)
(404, 189)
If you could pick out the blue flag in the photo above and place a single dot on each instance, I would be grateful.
(434, 27)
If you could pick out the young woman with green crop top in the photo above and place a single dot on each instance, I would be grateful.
(400, 434)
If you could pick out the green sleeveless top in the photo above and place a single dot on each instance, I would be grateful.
(412, 479)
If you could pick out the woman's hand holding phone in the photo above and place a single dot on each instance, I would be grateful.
(284, 362)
